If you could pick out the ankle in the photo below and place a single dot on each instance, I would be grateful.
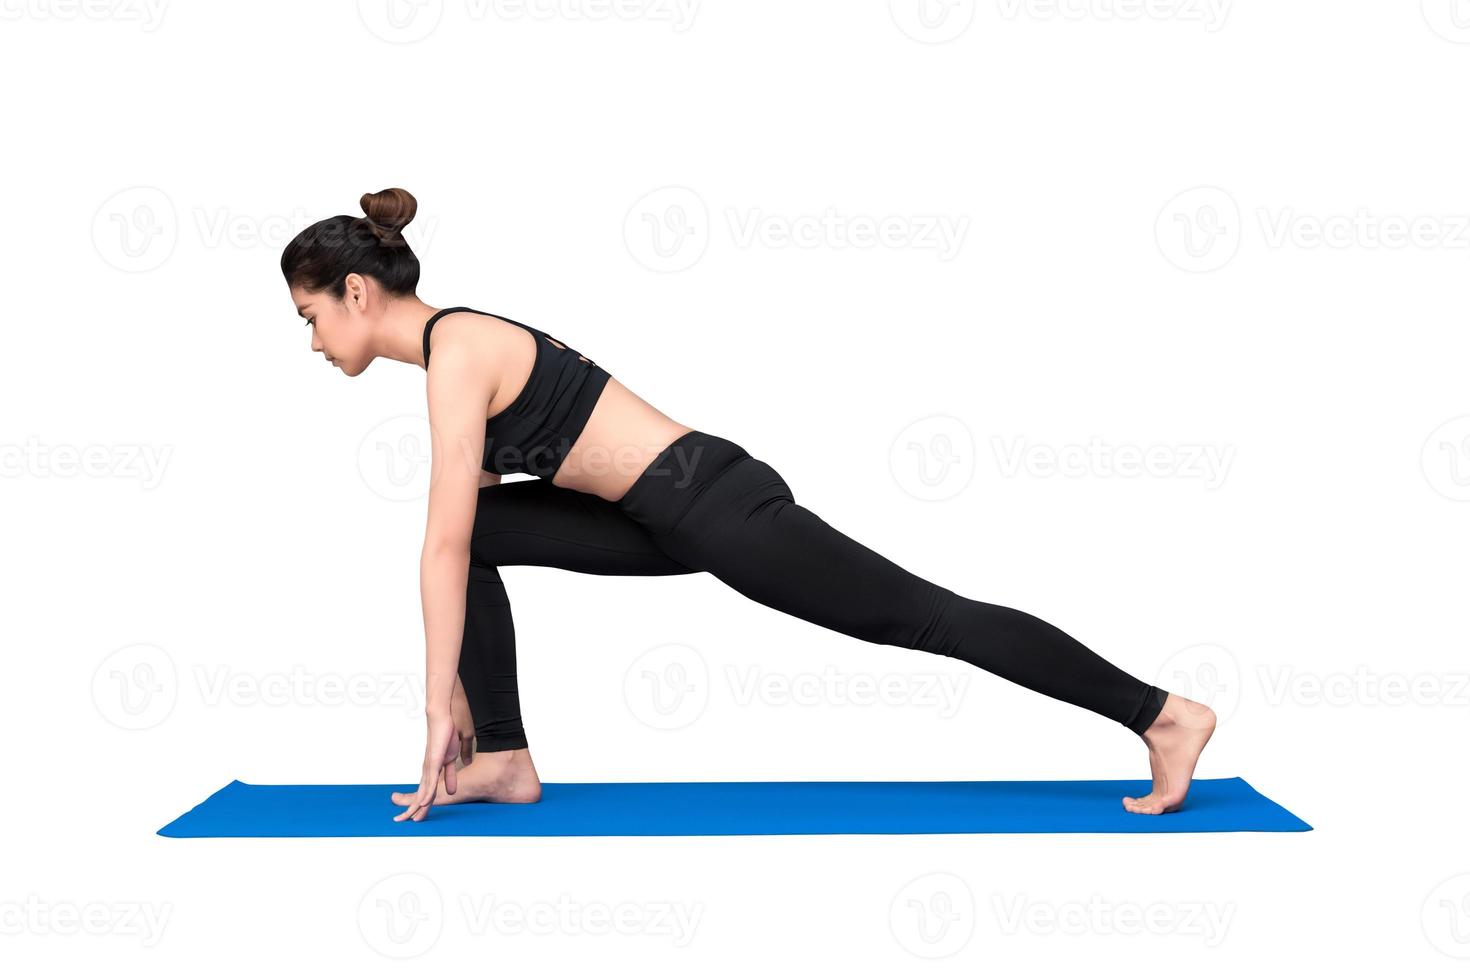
(503, 756)
(1179, 713)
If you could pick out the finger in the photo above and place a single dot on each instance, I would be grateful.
(402, 798)
(421, 806)
(428, 801)
(451, 779)
(405, 798)
(420, 799)
(413, 806)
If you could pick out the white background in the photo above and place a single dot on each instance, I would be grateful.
(1235, 229)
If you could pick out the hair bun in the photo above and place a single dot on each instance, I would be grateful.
(388, 211)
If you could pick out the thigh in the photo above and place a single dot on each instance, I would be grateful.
(534, 522)
(749, 532)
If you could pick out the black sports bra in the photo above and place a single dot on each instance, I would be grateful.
(534, 433)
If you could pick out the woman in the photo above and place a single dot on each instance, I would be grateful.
(626, 490)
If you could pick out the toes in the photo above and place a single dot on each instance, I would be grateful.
(1147, 804)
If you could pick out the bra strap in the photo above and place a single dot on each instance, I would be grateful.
(435, 319)
(465, 309)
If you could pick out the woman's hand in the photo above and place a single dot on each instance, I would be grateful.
(464, 724)
(439, 755)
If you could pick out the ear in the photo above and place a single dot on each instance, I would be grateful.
(355, 294)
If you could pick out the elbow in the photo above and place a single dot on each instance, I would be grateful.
(445, 549)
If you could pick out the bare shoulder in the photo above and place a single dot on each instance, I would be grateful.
(467, 333)
(475, 338)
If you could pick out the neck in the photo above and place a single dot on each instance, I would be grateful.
(401, 331)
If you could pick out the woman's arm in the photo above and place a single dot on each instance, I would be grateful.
(460, 386)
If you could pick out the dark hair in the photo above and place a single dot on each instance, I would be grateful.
(320, 257)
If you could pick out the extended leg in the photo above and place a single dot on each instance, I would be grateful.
(749, 532)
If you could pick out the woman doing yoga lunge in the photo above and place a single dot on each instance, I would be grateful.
(624, 489)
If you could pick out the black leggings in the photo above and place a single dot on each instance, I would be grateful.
(706, 505)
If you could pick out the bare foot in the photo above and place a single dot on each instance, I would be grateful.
(1174, 740)
(491, 777)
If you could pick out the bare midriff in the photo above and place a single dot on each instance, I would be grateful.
(622, 435)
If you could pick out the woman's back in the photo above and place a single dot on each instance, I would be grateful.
(561, 416)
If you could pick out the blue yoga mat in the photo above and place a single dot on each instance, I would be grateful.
(1088, 806)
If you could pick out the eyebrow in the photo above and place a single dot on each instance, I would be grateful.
(302, 309)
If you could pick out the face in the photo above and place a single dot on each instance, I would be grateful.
(339, 331)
